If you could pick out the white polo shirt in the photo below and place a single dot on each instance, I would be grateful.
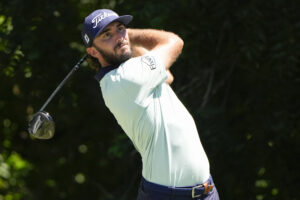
(159, 126)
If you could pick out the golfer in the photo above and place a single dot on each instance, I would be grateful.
(134, 77)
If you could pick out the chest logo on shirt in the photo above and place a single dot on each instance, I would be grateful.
(148, 60)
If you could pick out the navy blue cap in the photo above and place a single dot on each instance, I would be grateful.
(95, 22)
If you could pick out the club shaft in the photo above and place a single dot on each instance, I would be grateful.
(63, 82)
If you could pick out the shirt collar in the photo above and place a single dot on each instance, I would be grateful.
(103, 71)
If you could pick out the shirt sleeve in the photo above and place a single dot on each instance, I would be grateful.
(140, 76)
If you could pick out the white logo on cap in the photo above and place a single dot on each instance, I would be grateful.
(87, 39)
(100, 17)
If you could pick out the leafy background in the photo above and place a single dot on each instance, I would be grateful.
(238, 75)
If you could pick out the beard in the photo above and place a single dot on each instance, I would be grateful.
(112, 58)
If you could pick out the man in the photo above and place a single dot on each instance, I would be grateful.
(133, 74)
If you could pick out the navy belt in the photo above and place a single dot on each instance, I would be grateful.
(192, 191)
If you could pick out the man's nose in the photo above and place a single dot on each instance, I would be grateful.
(119, 36)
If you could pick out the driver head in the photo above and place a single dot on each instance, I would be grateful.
(41, 125)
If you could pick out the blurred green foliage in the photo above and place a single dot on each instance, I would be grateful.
(238, 75)
(13, 171)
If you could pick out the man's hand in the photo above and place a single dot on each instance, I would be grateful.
(170, 78)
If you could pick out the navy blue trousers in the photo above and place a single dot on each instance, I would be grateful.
(152, 191)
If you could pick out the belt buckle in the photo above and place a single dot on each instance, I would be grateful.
(193, 191)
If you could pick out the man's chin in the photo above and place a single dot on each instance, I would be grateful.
(125, 56)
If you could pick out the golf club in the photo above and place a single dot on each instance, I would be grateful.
(42, 125)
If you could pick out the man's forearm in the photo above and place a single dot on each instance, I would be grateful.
(146, 38)
(149, 38)
(166, 45)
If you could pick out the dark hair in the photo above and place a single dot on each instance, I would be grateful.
(93, 62)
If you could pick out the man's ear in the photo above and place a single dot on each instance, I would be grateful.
(92, 51)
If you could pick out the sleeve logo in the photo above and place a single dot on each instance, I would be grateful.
(148, 60)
